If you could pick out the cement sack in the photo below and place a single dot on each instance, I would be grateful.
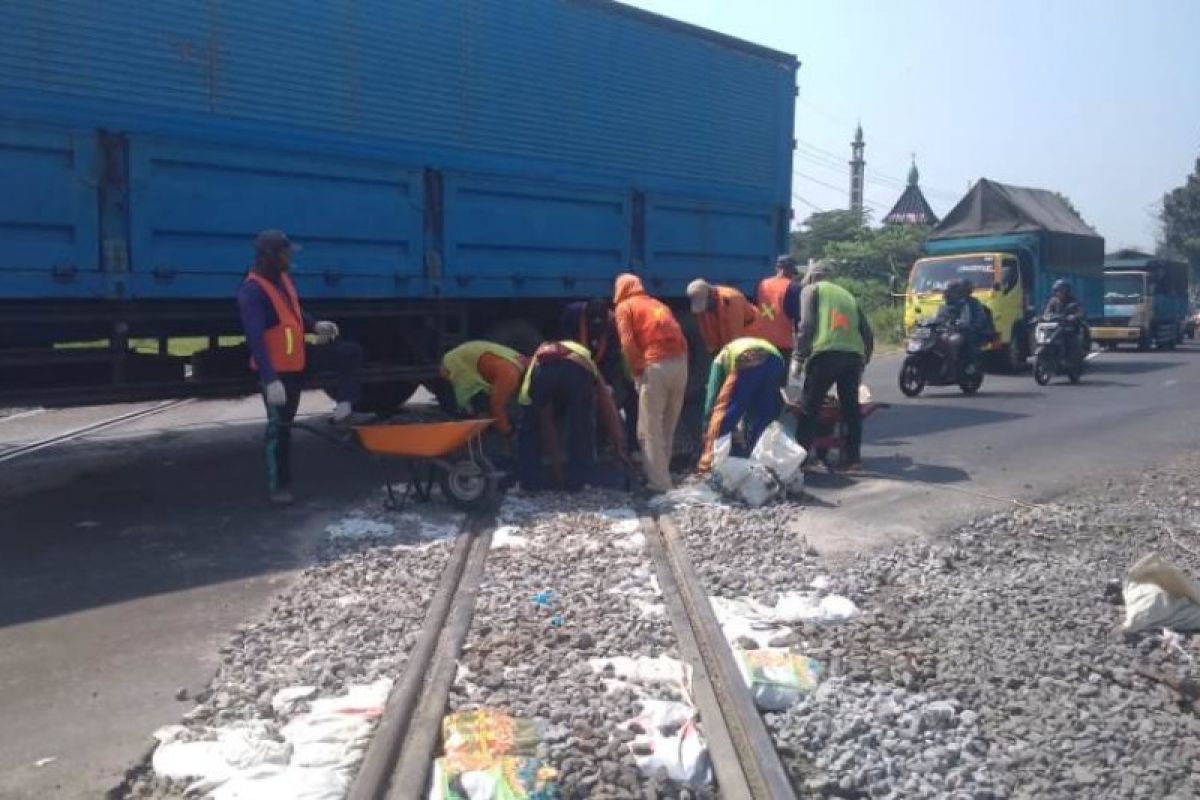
(777, 678)
(1160, 595)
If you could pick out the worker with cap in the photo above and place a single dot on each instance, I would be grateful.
(481, 378)
(275, 325)
(563, 382)
(656, 351)
(743, 387)
(833, 344)
(778, 300)
(591, 323)
(723, 313)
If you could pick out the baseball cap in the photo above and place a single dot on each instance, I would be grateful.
(697, 292)
(273, 240)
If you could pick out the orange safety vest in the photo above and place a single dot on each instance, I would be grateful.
(285, 341)
(773, 324)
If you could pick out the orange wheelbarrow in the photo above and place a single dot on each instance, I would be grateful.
(831, 429)
(449, 454)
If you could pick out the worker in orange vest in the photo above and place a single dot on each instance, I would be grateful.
(723, 313)
(778, 302)
(275, 325)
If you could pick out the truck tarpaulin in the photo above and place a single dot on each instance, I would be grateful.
(997, 209)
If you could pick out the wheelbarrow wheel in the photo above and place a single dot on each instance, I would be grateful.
(470, 485)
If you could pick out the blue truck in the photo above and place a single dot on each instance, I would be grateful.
(1145, 302)
(453, 169)
(1012, 243)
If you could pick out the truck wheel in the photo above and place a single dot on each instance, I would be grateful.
(521, 335)
(1011, 356)
(385, 397)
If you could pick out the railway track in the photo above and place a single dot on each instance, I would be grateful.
(18, 451)
(398, 761)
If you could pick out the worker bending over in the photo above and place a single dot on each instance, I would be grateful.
(591, 323)
(722, 312)
(275, 325)
(743, 387)
(481, 378)
(563, 383)
(656, 352)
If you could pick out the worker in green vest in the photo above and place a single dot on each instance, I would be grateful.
(833, 344)
(743, 390)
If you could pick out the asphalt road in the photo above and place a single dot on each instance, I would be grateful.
(127, 559)
(943, 457)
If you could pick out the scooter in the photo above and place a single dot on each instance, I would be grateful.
(1050, 356)
(929, 362)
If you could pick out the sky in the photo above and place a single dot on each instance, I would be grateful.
(1097, 99)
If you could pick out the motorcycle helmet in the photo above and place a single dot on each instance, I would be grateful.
(1061, 287)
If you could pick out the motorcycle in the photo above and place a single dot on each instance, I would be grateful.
(929, 362)
(1050, 358)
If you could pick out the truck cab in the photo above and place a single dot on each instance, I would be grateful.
(1145, 303)
(999, 283)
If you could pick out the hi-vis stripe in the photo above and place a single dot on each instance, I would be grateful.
(291, 340)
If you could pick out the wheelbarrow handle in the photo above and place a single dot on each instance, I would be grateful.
(337, 436)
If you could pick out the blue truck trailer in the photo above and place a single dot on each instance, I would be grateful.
(1012, 243)
(453, 169)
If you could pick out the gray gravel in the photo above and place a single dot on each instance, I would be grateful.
(349, 619)
(516, 659)
(987, 663)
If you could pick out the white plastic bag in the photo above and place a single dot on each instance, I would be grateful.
(1159, 595)
(668, 738)
(778, 451)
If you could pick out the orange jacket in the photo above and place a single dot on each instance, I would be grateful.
(646, 327)
(731, 317)
(285, 341)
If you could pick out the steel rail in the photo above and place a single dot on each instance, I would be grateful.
(400, 754)
(744, 757)
(95, 427)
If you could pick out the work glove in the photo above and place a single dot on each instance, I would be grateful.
(326, 331)
(276, 394)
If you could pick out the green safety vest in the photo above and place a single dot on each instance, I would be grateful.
(837, 321)
(580, 355)
(732, 351)
(461, 366)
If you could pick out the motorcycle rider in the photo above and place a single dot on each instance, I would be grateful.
(1062, 305)
(967, 321)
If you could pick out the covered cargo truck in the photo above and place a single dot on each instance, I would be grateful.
(452, 168)
(1145, 301)
(1012, 243)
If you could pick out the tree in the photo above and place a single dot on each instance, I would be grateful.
(823, 228)
(1181, 220)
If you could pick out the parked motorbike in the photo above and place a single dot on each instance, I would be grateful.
(1051, 337)
(928, 362)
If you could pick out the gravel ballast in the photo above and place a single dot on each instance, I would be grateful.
(350, 619)
(987, 663)
(591, 567)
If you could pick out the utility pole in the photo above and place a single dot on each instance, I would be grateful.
(858, 170)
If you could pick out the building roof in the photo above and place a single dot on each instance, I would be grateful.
(912, 208)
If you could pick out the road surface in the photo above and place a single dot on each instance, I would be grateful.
(127, 559)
